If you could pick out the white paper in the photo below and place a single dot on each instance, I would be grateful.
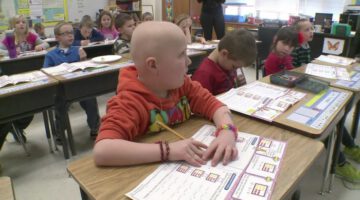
(22, 78)
(181, 181)
(336, 60)
(327, 71)
(260, 100)
(199, 46)
(71, 67)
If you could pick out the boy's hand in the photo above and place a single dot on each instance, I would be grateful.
(202, 40)
(39, 48)
(82, 54)
(84, 42)
(189, 150)
(223, 147)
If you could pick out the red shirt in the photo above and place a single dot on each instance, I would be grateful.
(274, 63)
(216, 79)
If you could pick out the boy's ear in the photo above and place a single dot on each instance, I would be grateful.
(151, 65)
(224, 52)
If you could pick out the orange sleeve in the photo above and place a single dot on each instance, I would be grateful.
(202, 102)
(124, 119)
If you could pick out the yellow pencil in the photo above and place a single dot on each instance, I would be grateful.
(170, 129)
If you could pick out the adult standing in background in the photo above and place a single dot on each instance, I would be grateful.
(212, 16)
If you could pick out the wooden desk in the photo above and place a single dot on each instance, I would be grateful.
(6, 189)
(26, 99)
(113, 182)
(356, 91)
(327, 131)
(30, 63)
(82, 85)
(21, 64)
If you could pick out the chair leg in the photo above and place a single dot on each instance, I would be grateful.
(47, 130)
(70, 135)
(18, 134)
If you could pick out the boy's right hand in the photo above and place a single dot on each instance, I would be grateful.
(82, 54)
(84, 42)
(189, 150)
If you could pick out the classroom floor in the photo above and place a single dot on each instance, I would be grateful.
(43, 176)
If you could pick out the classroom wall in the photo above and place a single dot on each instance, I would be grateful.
(156, 6)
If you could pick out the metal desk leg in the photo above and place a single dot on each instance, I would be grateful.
(355, 123)
(296, 195)
(84, 196)
(52, 125)
(19, 136)
(47, 130)
(70, 135)
(257, 64)
(330, 149)
(340, 132)
(61, 109)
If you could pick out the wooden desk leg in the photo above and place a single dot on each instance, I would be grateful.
(355, 123)
(330, 149)
(83, 194)
(47, 130)
(340, 132)
(60, 107)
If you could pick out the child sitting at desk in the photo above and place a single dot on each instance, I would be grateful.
(158, 89)
(147, 16)
(302, 53)
(65, 52)
(86, 34)
(40, 30)
(106, 25)
(184, 22)
(221, 70)
(285, 40)
(125, 24)
(19, 39)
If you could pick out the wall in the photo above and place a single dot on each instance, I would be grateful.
(156, 7)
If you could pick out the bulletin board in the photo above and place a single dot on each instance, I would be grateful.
(48, 12)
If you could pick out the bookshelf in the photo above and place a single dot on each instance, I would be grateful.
(132, 7)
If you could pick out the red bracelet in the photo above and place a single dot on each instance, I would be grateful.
(167, 151)
(161, 151)
(229, 127)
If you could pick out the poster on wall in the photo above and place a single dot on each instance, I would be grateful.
(169, 10)
(333, 46)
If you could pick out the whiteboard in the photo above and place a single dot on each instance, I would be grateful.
(78, 8)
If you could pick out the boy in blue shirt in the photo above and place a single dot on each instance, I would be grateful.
(86, 34)
(65, 52)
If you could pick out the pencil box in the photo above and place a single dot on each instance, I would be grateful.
(286, 78)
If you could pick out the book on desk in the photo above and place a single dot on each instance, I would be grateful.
(21, 78)
(65, 68)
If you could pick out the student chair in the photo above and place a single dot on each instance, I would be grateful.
(265, 35)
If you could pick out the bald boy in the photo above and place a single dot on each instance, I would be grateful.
(157, 88)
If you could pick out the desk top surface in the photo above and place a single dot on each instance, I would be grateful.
(330, 123)
(6, 189)
(113, 182)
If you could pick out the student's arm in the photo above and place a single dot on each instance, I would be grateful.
(188, 35)
(3, 50)
(40, 44)
(203, 103)
(121, 47)
(288, 63)
(96, 36)
(48, 61)
(125, 119)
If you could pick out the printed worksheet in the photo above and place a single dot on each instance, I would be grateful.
(327, 71)
(252, 176)
(198, 46)
(261, 100)
(336, 60)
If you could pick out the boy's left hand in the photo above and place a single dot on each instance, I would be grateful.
(223, 147)
(82, 54)
(39, 48)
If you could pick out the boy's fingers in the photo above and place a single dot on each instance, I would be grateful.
(227, 155)
(209, 151)
(217, 156)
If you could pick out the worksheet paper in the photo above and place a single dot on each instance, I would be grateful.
(329, 72)
(261, 100)
(251, 176)
(336, 60)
